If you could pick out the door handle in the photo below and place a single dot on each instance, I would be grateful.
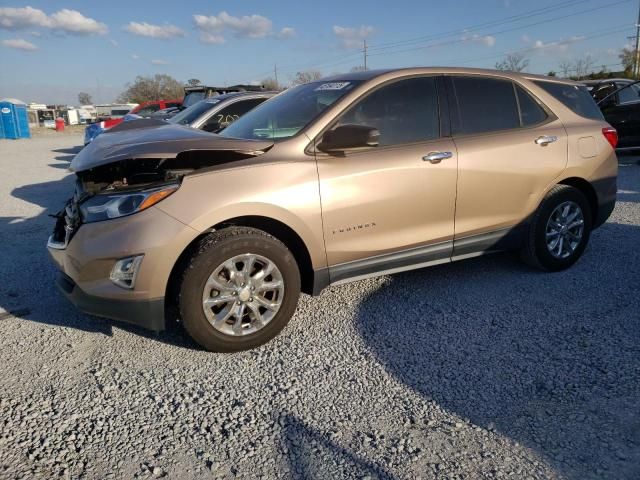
(437, 157)
(545, 140)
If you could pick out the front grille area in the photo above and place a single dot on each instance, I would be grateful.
(67, 222)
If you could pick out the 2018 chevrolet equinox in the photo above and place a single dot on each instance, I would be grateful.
(337, 180)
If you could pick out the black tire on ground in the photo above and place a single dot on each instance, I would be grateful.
(214, 250)
(535, 251)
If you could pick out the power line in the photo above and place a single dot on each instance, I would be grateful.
(480, 26)
(342, 58)
(500, 32)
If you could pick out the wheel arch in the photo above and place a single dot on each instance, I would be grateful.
(585, 187)
(274, 227)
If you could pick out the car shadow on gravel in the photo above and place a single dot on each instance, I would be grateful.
(312, 455)
(549, 360)
(27, 263)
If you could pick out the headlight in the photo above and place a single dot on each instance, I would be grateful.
(106, 206)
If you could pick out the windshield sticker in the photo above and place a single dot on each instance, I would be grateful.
(333, 86)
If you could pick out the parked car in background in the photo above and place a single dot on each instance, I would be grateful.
(194, 94)
(353, 176)
(216, 113)
(113, 110)
(619, 100)
(145, 109)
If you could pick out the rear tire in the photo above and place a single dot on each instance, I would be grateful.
(239, 289)
(559, 230)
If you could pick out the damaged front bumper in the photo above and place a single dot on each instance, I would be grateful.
(87, 255)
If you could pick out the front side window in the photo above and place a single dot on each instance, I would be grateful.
(403, 112)
(288, 113)
(230, 114)
(189, 115)
(574, 97)
(148, 110)
(484, 105)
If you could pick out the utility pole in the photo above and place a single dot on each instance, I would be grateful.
(275, 73)
(365, 53)
(636, 70)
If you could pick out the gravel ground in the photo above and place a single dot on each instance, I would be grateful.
(479, 369)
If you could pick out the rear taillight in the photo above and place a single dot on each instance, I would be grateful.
(611, 135)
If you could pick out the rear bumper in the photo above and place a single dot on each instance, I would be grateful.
(148, 314)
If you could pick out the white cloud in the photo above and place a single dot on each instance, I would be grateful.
(287, 32)
(65, 20)
(352, 37)
(72, 21)
(135, 56)
(212, 28)
(17, 18)
(113, 42)
(555, 47)
(486, 40)
(206, 37)
(19, 44)
(145, 29)
(159, 62)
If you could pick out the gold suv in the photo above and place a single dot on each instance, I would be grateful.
(345, 178)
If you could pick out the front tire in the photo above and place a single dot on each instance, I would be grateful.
(559, 230)
(239, 289)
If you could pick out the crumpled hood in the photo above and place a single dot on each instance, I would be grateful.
(162, 141)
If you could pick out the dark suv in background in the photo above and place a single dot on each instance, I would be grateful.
(619, 100)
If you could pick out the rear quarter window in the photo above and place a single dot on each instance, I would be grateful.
(575, 97)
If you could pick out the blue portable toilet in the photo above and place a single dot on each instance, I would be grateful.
(14, 119)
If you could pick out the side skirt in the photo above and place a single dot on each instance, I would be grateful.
(445, 252)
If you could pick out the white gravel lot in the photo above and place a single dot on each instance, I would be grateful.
(479, 369)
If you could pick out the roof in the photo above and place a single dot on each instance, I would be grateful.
(15, 101)
(227, 96)
(370, 74)
(605, 80)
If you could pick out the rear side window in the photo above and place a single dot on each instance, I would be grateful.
(574, 97)
(531, 113)
(484, 105)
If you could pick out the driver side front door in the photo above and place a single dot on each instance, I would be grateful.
(390, 208)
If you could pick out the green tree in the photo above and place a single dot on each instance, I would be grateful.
(148, 89)
(84, 98)
(628, 59)
(193, 82)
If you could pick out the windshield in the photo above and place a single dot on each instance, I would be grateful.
(188, 116)
(192, 98)
(286, 114)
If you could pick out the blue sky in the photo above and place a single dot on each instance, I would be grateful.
(51, 50)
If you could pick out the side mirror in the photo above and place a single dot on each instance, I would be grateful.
(349, 137)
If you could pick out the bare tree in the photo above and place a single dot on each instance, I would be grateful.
(306, 77)
(84, 98)
(565, 68)
(146, 89)
(270, 84)
(193, 82)
(513, 62)
(583, 66)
